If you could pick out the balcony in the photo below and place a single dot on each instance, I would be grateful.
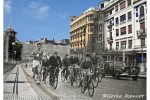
(141, 18)
(110, 40)
(141, 33)
(110, 24)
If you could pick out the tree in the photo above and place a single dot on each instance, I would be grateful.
(18, 49)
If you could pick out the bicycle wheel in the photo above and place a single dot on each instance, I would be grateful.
(50, 80)
(71, 80)
(78, 80)
(95, 79)
(55, 82)
(100, 77)
(45, 79)
(82, 87)
(62, 76)
(90, 88)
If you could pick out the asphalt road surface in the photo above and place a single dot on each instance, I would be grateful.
(108, 89)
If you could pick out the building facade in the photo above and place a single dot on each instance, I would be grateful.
(123, 34)
(119, 31)
(83, 29)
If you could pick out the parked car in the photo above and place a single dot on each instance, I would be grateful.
(119, 69)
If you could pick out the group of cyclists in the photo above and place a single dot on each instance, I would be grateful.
(51, 66)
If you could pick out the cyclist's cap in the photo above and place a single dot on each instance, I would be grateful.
(55, 52)
(88, 55)
(74, 52)
(66, 55)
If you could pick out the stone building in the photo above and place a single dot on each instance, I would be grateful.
(82, 32)
(116, 30)
(9, 42)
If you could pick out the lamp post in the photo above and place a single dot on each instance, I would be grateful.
(15, 56)
(142, 35)
(13, 44)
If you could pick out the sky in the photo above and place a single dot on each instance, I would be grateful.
(35, 19)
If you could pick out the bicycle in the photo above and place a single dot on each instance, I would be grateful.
(37, 71)
(88, 83)
(74, 75)
(65, 74)
(96, 78)
(53, 79)
(45, 73)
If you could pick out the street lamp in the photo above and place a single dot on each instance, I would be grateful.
(15, 55)
(13, 44)
(142, 35)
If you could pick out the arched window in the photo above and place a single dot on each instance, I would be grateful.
(141, 11)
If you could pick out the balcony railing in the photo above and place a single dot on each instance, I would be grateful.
(110, 39)
(141, 18)
(142, 33)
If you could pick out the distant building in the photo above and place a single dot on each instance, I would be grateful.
(65, 41)
(9, 42)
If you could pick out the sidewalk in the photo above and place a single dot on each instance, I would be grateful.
(142, 76)
(25, 91)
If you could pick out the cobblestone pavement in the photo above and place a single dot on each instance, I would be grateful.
(26, 91)
(108, 89)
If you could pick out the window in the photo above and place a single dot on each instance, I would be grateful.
(123, 30)
(130, 44)
(129, 29)
(122, 5)
(100, 27)
(91, 28)
(129, 15)
(141, 11)
(91, 18)
(110, 34)
(100, 15)
(123, 18)
(93, 39)
(117, 21)
(110, 12)
(142, 25)
(123, 44)
(117, 32)
(129, 2)
(102, 5)
(142, 42)
(110, 46)
(117, 45)
(116, 8)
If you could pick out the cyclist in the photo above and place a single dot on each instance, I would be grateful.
(66, 64)
(45, 65)
(95, 60)
(55, 62)
(86, 65)
(36, 67)
(74, 60)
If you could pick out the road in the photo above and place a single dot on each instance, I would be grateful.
(108, 89)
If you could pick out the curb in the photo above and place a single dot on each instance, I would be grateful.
(142, 77)
(52, 94)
